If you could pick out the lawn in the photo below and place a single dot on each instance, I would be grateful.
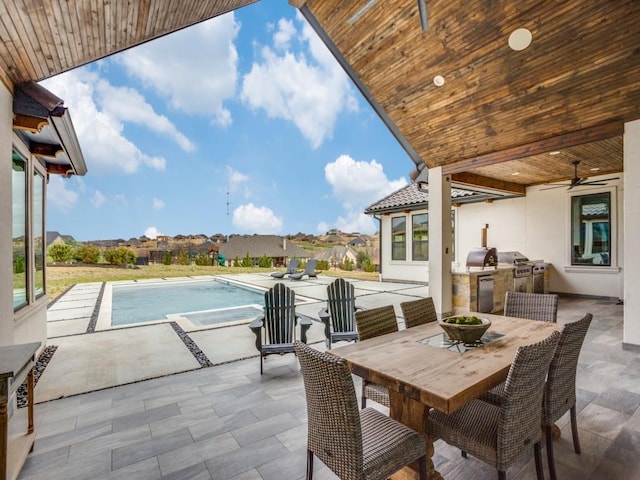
(60, 278)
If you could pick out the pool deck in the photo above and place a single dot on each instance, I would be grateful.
(90, 356)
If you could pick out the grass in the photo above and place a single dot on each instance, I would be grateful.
(60, 278)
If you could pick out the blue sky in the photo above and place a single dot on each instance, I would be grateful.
(250, 107)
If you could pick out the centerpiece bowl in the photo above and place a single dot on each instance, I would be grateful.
(465, 328)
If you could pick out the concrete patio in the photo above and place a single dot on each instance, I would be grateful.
(229, 422)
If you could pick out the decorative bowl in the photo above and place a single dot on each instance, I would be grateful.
(464, 332)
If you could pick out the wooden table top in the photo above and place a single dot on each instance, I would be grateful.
(441, 378)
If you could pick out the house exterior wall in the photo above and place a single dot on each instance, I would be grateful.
(6, 245)
(29, 323)
(632, 224)
(539, 226)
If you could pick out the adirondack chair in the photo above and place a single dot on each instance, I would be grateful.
(339, 315)
(279, 323)
(292, 268)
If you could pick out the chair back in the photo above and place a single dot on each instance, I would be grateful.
(293, 265)
(418, 312)
(534, 306)
(341, 303)
(520, 418)
(376, 321)
(560, 390)
(334, 430)
(310, 269)
(279, 315)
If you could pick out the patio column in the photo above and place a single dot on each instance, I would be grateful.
(631, 226)
(440, 283)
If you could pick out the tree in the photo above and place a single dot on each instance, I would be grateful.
(61, 252)
(87, 253)
(120, 256)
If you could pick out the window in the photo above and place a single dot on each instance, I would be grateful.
(19, 229)
(591, 229)
(420, 229)
(398, 238)
(37, 233)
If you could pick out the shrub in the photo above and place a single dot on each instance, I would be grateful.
(361, 258)
(322, 265)
(347, 264)
(120, 256)
(236, 262)
(183, 258)
(61, 252)
(247, 261)
(87, 253)
(369, 266)
(18, 264)
(265, 262)
(167, 258)
(202, 260)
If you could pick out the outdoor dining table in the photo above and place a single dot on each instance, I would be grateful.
(420, 374)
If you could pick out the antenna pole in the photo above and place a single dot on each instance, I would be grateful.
(228, 203)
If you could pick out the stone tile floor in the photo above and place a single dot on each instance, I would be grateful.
(229, 422)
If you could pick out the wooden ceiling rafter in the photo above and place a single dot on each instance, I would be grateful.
(467, 179)
(29, 123)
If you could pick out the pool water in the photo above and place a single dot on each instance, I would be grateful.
(206, 302)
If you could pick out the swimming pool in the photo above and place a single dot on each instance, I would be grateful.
(202, 302)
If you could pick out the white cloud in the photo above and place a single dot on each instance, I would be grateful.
(356, 221)
(59, 195)
(152, 233)
(372, 184)
(98, 199)
(235, 178)
(158, 204)
(253, 219)
(322, 228)
(128, 105)
(310, 91)
(121, 198)
(100, 133)
(195, 68)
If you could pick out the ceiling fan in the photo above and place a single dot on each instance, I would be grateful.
(577, 181)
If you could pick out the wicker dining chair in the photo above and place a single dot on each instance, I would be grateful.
(499, 434)
(354, 444)
(534, 306)
(560, 389)
(372, 323)
(339, 315)
(418, 312)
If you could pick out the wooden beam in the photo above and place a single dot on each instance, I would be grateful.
(29, 123)
(45, 149)
(579, 137)
(58, 169)
(471, 179)
(297, 3)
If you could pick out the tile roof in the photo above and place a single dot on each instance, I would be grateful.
(258, 245)
(412, 196)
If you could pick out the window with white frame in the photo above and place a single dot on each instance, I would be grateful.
(29, 254)
(399, 238)
(591, 229)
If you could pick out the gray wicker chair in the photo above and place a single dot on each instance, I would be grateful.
(499, 435)
(560, 389)
(372, 323)
(339, 315)
(418, 312)
(292, 268)
(354, 444)
(279, 323)
(534, 306)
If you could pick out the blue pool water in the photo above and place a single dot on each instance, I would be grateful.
(207, 301)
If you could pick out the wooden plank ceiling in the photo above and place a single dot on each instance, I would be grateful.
(41, 38)
(500, 111)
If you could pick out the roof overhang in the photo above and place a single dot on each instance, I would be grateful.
(44, 124)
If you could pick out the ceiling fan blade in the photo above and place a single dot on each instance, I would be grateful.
(556, 185)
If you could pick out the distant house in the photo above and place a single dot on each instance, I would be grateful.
(358, 242)
(338, 254)
(278, 248)
(55, 237)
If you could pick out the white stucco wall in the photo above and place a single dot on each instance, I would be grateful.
(6, 269)
(539, 227)
(632, 224)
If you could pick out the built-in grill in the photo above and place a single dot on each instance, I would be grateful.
(528, 275)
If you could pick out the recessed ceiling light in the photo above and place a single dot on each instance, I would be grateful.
(438, 80)
(520, 39)
(594, 169)
(515, 173)
(555, 152)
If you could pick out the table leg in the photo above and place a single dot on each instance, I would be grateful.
(414, 415)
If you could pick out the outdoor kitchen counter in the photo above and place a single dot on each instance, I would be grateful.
(465, 287)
